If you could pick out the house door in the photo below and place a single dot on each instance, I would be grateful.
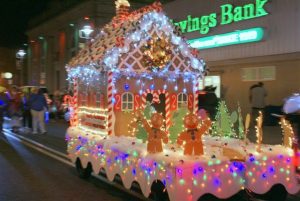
(160, 105)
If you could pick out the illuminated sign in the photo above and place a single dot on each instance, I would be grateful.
(228, 14)
(232, 38)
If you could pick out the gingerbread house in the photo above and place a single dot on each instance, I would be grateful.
(139, 56)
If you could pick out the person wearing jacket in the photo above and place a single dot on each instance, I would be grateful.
(3, 107)
(38, 106)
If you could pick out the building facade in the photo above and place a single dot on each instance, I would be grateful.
(257, 40)
(54, 39)
(9, 64)
(244, 42)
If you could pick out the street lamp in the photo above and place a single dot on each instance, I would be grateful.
(20, 55)
(85, 32)
(8, 77)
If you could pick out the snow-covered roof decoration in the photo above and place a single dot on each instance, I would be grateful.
(119, 45)
(120, 3)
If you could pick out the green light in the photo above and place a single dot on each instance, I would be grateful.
(232, 38)
(195, 182)
(181, 181)
(135, 154)
(226, 14)
(204, 177)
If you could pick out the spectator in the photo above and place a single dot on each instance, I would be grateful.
(27, 118)
(57, 101)
(38, 106)
(3, 107)
(208, 101)
(257, 99)
(14, 109)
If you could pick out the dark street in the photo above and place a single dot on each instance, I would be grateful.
(29, 175)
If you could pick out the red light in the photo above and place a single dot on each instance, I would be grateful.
(86, 18)
(296, 159)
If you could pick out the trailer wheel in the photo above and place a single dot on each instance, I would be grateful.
(158, 192)
(83, 173)
(276, 193)
(240, 196)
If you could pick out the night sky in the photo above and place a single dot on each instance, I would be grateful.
(14, 17)
(15, 14)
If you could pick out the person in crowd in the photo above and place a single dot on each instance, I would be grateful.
(208, 100)
(257, 99)
(14, 108)
(26, 114)
(3, 108)
(38, 106)
(57, 101)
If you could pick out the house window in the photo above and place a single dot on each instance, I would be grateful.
(259, 73)
(182, 100)
(127, 101)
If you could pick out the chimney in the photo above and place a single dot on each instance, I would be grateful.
(122, 8)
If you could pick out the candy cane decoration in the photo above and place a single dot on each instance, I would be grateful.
(195, 92)
(74, 117)
(110, 103)
(155, 97)
(168, 112)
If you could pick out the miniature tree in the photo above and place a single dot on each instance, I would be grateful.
(241, 129)
(288, 133)
(141, 133)
(222, 125)
(177, 123)
(259, 131)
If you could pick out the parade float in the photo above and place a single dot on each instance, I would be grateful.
(134, 116)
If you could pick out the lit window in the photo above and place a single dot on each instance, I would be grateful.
(259, 73)
(182, 100)
(127, 101)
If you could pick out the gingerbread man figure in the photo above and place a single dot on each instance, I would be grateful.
(155, 134)
(192, 135)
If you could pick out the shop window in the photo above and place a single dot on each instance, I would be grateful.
(182, 100)
(259, 73)
(127, 101)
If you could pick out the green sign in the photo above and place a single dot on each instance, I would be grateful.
(232, 38)
(228, 14)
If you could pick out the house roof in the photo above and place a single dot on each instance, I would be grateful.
(118, 46)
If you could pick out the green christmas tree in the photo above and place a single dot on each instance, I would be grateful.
(222, 126)
(141, 132)
(241, 124)
(177, 123)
